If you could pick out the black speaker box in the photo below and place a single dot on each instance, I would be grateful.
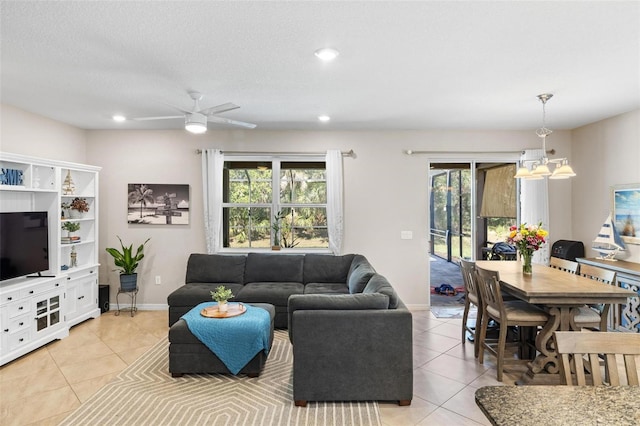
(566, 249)
(103, 298)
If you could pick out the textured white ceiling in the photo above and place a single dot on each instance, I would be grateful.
(402, 65)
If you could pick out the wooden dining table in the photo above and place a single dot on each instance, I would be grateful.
(560, 405)
(560, 294)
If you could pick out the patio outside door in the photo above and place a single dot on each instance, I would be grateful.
(471, 206)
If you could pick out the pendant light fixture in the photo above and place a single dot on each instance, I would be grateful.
(540, 167)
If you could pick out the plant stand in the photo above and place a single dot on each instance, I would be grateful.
(133, 294)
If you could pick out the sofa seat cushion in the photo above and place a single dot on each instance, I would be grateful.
(195, 293)
(326, 268)
(274, 293)
(326, 288)
(379, 284)
(263, 267)
(215, 268)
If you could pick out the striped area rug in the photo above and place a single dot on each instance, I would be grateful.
(146, 394)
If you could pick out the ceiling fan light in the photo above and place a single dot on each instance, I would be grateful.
(195, 123)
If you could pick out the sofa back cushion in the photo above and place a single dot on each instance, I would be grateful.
(359, 274)
(334, 302)
(215, 268)
(326, 268)
(262, 267)
(379, 284)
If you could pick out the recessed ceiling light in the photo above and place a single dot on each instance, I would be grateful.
(119, 118)
(324, 118)
(327, 54)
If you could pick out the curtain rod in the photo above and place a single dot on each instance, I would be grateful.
(412, 152)
(349, 153)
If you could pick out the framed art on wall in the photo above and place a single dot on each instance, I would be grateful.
(626, 212)
(157, 204)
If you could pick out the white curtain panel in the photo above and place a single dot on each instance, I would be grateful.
(534, 202)
(212, 165)
(335, 220)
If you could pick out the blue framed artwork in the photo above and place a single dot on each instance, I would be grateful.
(626, 212)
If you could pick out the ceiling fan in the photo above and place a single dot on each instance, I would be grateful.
(195, 121)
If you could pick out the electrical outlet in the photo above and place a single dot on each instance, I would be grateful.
(158, 280)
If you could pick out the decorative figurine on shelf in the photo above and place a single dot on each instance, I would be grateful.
(74, 257)
(68, 187)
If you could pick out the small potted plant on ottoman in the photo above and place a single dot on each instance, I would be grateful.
(222, 295)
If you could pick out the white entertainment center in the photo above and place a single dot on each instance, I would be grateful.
(37, 310)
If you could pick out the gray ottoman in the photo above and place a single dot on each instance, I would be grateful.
(188, 355)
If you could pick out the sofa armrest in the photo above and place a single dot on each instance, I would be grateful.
(343, 355)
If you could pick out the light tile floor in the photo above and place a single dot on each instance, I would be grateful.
(43, 387)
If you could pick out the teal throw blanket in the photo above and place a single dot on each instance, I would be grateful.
(234, 340)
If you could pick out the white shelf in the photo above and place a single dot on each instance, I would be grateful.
(41, 190)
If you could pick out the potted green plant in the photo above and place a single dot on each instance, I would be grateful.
(127, 264)
(70, 227)
(222, 296)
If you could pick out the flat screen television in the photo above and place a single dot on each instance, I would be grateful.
(24, 244)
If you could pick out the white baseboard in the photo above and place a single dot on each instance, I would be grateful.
(420, 307)
(143, 307)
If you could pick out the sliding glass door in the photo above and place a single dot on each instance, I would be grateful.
(471, 206)
(451, 211)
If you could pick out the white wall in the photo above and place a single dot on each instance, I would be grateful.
(385, 193)
(607, 153)
(25, 133)
(385, 190)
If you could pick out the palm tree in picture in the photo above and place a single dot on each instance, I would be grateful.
(141, 194)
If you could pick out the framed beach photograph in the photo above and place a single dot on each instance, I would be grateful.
(157, 204)
(626, 212)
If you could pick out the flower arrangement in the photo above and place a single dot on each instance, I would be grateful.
(527, 238)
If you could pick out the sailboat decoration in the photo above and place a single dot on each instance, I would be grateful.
(608, 242)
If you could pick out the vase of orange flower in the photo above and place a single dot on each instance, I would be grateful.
(528, 239)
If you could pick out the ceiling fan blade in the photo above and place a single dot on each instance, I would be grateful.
(222, 120)
(167, 117)
(218, 109)
(182, 110)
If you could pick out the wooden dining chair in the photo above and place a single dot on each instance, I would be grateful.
(472, 297)
(573, 347)
(595, 317)
(506, 313)
(564, 265)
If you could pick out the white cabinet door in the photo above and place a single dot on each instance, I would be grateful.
(82, 296)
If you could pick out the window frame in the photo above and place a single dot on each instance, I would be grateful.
(275, 205)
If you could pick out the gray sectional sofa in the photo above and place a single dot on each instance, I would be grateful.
(351, 333)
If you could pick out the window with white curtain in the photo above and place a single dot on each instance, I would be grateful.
(260, 192)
